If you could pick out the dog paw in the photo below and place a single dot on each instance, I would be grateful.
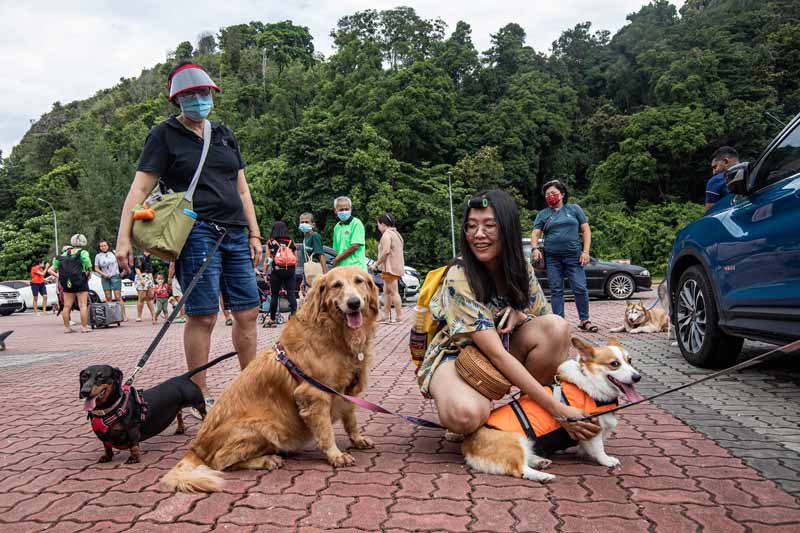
(540, 463)
(608, 461)
(534, 475)
(343, 459)
(361, 442)
(104, 459)
(132, 460)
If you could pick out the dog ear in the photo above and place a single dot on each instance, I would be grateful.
(373, 295)
(117, 375)
(585, 349)
(614, 342)
(314, 301)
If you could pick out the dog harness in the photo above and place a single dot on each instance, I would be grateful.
(103, 420)
(523, 415)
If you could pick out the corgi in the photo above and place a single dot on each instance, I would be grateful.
(638, 319)
(593, 382)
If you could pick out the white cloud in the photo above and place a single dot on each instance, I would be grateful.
(63, 51)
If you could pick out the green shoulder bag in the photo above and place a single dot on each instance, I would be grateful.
(166, 233)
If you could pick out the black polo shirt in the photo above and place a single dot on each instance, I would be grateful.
(172, 152)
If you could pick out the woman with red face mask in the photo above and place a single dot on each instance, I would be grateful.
(567, 239)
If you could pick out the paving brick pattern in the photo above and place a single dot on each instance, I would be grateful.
(676, 475)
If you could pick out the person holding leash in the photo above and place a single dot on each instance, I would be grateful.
(491, 278)
(222, 202)
(565, 253)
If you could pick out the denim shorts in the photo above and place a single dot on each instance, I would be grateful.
(114, 283)
(230, 271)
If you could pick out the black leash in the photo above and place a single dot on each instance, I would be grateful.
(788, 348)
(176, 310)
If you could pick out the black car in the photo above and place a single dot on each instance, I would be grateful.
(604, 279)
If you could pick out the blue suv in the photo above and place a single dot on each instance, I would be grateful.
(735, 273)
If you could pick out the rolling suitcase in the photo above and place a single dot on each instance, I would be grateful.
(105, 314)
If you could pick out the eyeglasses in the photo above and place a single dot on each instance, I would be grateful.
(191, 93)
(489, 229)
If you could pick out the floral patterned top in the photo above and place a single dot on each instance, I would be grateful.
(455, 305)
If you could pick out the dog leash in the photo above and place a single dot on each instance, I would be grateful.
(786, 349)
(177, 308)
(297, 372)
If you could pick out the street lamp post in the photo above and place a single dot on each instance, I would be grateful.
(452, 219)
(55, 223)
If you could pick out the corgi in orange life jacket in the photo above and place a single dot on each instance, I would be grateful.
(516, 436)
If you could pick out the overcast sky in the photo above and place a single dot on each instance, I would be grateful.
(64, 51)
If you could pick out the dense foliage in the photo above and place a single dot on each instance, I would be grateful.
(628, 120)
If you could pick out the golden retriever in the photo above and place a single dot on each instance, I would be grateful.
(266, 411)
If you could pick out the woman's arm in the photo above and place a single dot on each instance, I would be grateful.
(250, 216)
(536, 234)
(586, 237)
(143, 184)
(384, 249)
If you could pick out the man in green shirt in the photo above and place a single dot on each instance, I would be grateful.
(348, 236)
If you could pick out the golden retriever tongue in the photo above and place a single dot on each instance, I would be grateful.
(630, 393)
(90, 402)
(355, 320)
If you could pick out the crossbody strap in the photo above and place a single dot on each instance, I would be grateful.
(189, 194)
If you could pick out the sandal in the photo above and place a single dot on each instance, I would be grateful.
(587, 325)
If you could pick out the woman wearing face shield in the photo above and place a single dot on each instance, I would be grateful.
(222, 202)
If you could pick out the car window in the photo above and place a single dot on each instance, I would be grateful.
(783, 161)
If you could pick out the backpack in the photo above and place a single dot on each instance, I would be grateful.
(284, 257)
(424, 327)
(70, 270)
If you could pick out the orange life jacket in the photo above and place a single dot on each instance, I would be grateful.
(526, 417)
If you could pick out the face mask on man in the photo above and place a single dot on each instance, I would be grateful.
(304, 227)
(344, 216)
(196, 107)
(552, 199)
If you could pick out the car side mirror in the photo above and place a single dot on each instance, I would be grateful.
(736, 178)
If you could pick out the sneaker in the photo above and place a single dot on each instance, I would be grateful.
(180, 320)
(195, 413)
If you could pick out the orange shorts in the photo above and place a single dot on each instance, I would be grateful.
(385, 276)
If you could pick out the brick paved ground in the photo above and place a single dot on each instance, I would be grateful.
(723, 456)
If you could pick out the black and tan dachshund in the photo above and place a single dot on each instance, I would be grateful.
(122, 417)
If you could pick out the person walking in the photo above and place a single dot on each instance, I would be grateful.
(161, 293)
(221, 201)
(391, 265)
(348, 236)
(313, 251)
(176, 293)
(143, 283)
(567, 240)
(106, 264)
(38, 286)
(282, 254)
(74, 266)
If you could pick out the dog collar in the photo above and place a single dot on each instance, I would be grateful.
(104, 412)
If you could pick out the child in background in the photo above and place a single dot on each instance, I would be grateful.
(161, 292)
(177, 294)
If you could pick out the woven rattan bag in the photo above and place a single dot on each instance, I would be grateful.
(476, 369)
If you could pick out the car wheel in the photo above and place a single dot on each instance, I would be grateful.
(7, 313)
(22, 308)
(620, 286)
(700, 339)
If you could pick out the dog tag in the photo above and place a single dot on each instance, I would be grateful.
(360, 356)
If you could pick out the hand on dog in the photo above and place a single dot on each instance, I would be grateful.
(577, 430)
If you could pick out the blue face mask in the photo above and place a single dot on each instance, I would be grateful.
(305, 228)
(344, 216)
(196, 107)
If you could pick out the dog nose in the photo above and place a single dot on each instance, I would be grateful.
(354, 303)
(636, 378)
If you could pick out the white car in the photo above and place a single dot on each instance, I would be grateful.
(9, 300)
(410, 281)
(26, 293)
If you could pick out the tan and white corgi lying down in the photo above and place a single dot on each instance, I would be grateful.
(593, 382)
